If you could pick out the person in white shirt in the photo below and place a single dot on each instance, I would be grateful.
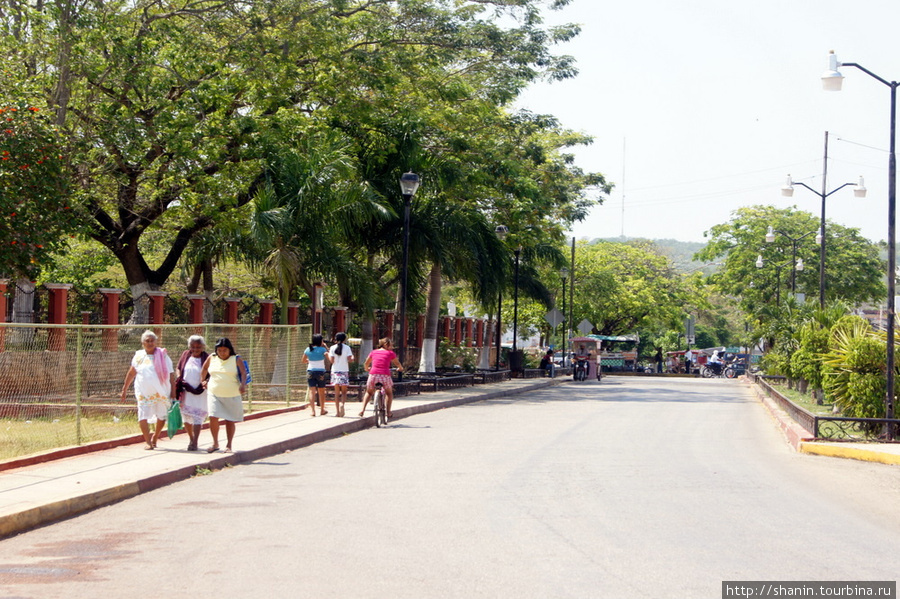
(341, 355)
(688, 360)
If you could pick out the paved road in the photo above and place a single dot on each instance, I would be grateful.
(628, 488)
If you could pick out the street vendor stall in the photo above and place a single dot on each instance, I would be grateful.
(606, 354)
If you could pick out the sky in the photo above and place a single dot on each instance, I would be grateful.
(699, 107)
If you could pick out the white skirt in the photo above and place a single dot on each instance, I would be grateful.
(226, 408)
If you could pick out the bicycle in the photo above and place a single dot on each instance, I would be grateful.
(378, 405)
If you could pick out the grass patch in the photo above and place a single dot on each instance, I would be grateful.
(25, 437)
(806, 401)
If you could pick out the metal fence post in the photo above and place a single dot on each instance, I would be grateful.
(287, 380)
(78, 384)
(252, 361)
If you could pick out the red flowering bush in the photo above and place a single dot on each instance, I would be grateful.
(34, 211)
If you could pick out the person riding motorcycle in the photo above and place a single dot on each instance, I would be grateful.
(582, 360)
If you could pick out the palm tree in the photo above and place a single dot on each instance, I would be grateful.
(300, 219)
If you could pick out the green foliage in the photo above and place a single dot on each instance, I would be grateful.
(624, 287)
(806, 362)
(854, 368)
(35, 210)
(853, 269)
(465, 358)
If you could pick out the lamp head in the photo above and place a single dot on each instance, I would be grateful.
(799, 265)
(788, 189)
(860, 190)
(564, 272)
(759, 261)
(770, 235)
(409, 183)
(820, 236)
(501, 231)
(832, 78)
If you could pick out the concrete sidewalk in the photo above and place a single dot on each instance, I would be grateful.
(39, 494)
(803, 441)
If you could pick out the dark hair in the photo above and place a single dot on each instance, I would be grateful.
(384, 342)
(340, 338)
(225, 342)
(316, 341)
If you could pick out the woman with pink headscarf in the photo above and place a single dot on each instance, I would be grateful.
(154, 386)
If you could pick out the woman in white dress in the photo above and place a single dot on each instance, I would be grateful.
(154, 386)
(191, 393)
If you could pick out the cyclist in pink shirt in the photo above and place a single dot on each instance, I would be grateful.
(378, 365)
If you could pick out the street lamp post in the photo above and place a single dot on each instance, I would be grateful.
(831, 81)
(518, 252)
(564, 273)
(798, 264)
(501, 232)
(409, 183)
(788, 191)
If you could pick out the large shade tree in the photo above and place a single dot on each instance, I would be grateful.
(170, 106)
(853, 269)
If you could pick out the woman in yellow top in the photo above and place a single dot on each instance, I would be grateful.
(225, 385)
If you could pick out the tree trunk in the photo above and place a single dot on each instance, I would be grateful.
(23, 311)
(484, 362)
(432, 314)
(365, 348)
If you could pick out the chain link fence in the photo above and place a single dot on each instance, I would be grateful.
(60, 385)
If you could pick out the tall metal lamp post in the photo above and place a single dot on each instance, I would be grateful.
(409, 183)
(501, 232)
(518, 252)
(831, 81)
(564, 274)
(788, 191)
(797, 265)
(795, 241)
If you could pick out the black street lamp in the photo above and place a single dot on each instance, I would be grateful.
(831, 81)
(501, 232)
(788, 191)
(409, 183)
(796, 264)
(564, 273)
(795, 241)
(518, 252)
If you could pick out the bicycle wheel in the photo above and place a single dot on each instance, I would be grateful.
(379, 406)
(730, 373)
(706, 372)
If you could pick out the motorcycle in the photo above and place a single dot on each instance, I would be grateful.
(581, 369)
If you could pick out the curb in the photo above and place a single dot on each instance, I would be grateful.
(802, 441)
(851, 453)
(16, 523)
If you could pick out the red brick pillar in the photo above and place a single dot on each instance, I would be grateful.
(469, 340)
(59, 300)
(317, 305)
(420, 330)
(389, 325)
(446, 326)
(110, 316)
(266, 311)
(479, 333)
(195, 311)
(157, 307)
(457, 332)
(3, 284)
(231, 310)
(340, 319)
(293, 313)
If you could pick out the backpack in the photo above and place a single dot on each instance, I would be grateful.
(246, 369)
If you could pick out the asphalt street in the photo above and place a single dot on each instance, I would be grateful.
(633, 487)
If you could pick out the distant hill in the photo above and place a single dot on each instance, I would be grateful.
(681, 253)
